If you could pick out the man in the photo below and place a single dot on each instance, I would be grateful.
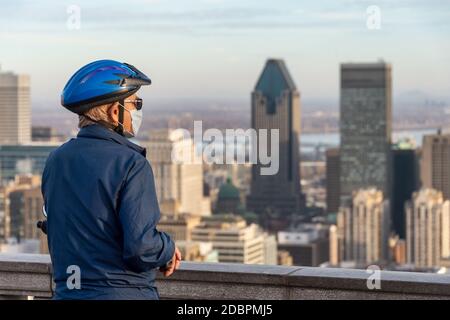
(99, 193)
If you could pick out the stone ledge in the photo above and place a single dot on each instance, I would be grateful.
(391, 281)
(25, 275)
(36, 263)
(216, 281)
(30, 275)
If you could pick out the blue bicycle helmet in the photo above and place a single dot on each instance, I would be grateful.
(101, 82)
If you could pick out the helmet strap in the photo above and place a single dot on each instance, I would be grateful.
(119, 128)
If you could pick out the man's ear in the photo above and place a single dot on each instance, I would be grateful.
(113, 113)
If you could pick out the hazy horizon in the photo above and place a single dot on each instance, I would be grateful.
(215, 50)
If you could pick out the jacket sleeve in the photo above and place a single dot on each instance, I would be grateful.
(144, 247)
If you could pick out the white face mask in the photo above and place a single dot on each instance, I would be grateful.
(136, 121)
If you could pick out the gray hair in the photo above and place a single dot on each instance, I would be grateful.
(99, 113)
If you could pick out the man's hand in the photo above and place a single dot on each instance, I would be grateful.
(173, 265)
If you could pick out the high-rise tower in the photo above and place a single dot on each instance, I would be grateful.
(276, 105)
(365, 125)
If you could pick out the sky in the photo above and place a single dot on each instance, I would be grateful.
(216, 49)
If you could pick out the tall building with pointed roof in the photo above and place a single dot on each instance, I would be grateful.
(276, 105)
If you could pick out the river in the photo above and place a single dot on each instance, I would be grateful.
(311, 141)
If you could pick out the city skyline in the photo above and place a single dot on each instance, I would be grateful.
(365, 109)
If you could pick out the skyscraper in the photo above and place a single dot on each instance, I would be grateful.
(364, 225)
(435, 163)
(15, 120)
(366, 121)
(405, 180)
(177, 183)
(427, 228)
(276, 105)
(333, 182)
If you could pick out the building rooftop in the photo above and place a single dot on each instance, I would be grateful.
(366, 65)
(274, 80)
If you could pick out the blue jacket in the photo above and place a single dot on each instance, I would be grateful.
(102, 210)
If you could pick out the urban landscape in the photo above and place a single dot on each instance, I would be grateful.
(369, 202)
(359, 181)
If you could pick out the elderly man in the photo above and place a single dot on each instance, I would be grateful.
(99, 193)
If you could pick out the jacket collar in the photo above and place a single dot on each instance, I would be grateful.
(97, 131)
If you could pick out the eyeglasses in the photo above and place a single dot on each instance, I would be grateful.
(137, 103)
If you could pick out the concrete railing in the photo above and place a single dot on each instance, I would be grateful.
(26, 275)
